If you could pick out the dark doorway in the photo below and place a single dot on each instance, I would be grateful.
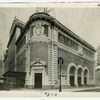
(85, 80)
(79, 81)
(72, 80)
(20, 81)
(38, 80)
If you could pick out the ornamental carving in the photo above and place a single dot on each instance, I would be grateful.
(38, 62)
(38, 29)
(69, 43)
(66, 41)
(80, 49)
(62, 39)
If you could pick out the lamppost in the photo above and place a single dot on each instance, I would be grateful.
(60, 62)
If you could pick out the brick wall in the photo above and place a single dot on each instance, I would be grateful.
(39, 50)
(21, 62)
(11, 55)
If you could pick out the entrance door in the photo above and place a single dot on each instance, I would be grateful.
(72, 80)
(85, 80)
(79, 81)
(38, 80)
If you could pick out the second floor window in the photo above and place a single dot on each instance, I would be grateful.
(31, 32)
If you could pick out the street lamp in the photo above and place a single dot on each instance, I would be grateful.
(60, 62)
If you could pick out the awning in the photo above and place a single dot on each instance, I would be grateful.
(14, 74)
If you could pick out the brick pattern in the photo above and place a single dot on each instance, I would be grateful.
(21, 62)
(50, 62)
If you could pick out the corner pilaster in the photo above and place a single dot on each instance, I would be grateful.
(50, 63)
(82, 78)
(76, 77)
(54, 62)
(27, 65)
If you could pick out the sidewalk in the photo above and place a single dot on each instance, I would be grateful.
(56, 90)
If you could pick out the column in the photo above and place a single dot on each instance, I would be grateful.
(55, 62)
(27, 65)
(76, 77)
(50, 63)
(82, 78)
(68, 76)
(88, 81)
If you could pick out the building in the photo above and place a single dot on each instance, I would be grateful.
(31, 60)
(97, 69)
(1, 64)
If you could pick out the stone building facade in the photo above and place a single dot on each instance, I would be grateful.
(33, 51)
(97, 69)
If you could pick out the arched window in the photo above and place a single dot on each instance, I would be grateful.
(31, 32)
(46, 30)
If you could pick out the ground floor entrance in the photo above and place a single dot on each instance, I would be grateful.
(20, 81)
(72, 80)
(85, 80)
(38, 80)
(79, 81)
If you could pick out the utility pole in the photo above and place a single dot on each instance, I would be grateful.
(60, 62)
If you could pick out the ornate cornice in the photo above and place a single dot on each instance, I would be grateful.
(16, 23)
(63, 47)
(40, 39)
(56, 23)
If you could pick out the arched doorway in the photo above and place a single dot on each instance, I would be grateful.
(85, 76)
(79, 79)
(72, 76)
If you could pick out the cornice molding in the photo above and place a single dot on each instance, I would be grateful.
(40, 39)
(54, 22)
(72, 51)
(16, 23)
(59, 45)
(21, 50)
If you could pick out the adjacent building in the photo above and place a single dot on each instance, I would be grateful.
(97, 69)
(31, 60)
(1, 64)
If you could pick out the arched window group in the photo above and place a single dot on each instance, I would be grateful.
(77, 75)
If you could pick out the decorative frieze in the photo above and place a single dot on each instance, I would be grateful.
(87, 52)
(68, 42)
(74, 45)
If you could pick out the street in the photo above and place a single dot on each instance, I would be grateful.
(82, 89)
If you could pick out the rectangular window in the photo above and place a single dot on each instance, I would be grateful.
(31, 32)
(46, 30)
(21, 44)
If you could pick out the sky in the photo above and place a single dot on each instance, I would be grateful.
(84, 22)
